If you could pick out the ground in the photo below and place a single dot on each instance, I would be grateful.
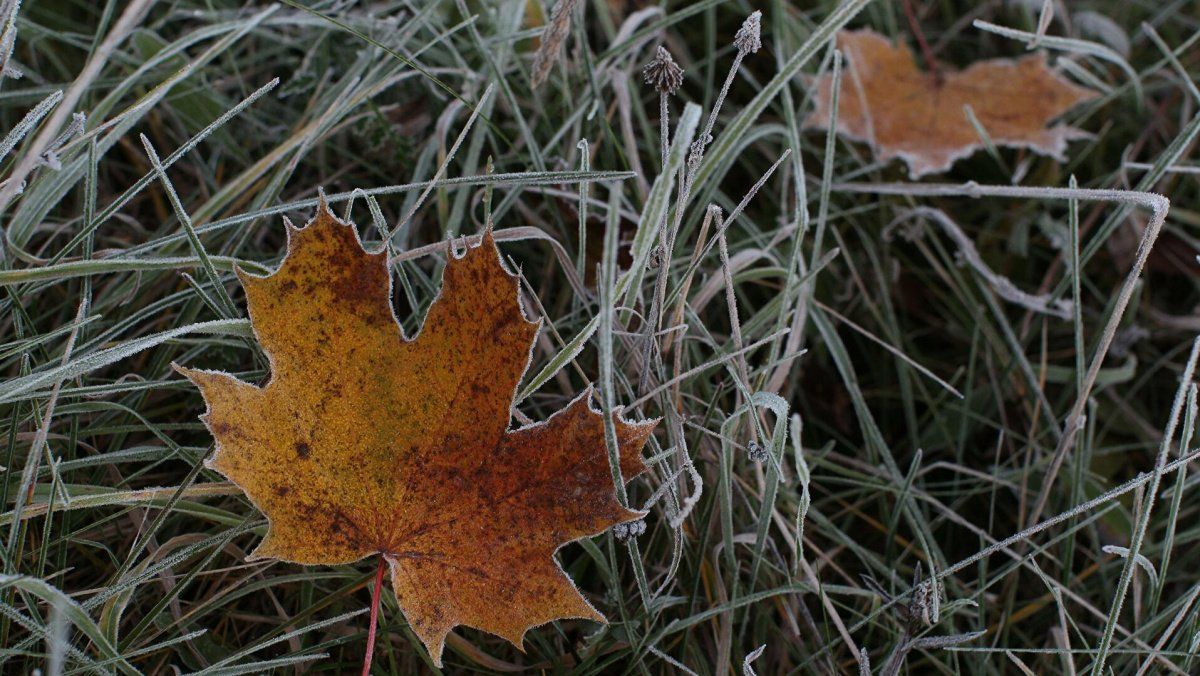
(934, 425)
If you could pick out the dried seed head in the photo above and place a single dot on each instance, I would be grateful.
(663, 73)
(656, 257)
(696, 152)
(625, 532)
(553, 37)
(924, 603)
(920, 607)
(748, 39)
(621, 532)
(756, 452)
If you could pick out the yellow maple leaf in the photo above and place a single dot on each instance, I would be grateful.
(364, 442)
(887, 102)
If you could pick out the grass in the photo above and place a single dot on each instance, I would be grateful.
(943, 426)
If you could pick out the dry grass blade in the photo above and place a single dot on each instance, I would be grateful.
(552, 39)
(1004, 395)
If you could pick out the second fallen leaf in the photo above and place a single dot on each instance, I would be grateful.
(902, 112)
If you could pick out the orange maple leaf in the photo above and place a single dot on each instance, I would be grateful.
(364, 442)
(902, 112)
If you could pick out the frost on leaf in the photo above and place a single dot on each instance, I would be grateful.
(364, 442)
(902, 112)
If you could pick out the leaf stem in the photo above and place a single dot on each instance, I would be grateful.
(374, 618)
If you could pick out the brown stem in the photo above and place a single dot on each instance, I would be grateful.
(374, 618)
(926, 53)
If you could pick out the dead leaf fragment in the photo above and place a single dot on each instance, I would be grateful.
(364, 442)
(902, 112)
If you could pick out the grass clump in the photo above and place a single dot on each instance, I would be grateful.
(932, 427)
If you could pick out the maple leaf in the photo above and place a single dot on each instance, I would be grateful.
(902, 112)
(364, 442)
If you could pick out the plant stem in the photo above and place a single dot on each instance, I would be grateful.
(926, 53)
(664, 126)
(374, 617)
